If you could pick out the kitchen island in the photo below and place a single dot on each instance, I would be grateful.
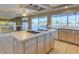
(23, 42)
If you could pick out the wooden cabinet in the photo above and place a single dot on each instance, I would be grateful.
(56, 34)
(70, 36)
(30, 42)
(76, 37)
(47, 42)
(31, 50)
(52, 37)
(6, 44)
(66, 35)
(31, 46)
(62, 35)
(18, 47)
(41, 44)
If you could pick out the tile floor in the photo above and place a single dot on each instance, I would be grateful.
(64, 48)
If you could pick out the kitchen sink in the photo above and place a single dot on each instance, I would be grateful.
(35, 32)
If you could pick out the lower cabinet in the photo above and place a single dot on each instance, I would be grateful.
(47, 42)
(6, 44)
(62, 35)
(66, 35)
(18, 47)
(77, 37)
(31, 46)
(56, 34)
(52, 37)
(41, 44)
(70, 36)
(31, 50)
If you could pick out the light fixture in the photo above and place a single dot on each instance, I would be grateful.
(24, 14)
(66, 7)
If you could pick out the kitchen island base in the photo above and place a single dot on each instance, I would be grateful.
(27, 43)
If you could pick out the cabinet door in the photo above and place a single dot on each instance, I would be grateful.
(56, 34)
(30, 42)
(52, 39)
(19, 47)
(62, 35)
(70, 36)
(47, 42)
(76, 37)
(6, 44)
(41, 44)
(31, 50)
(31, 46)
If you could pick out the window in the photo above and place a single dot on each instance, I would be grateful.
(11, 25)
(77, 20)
(25, 23)
(42, 22)
(34, 23)
(64, 21)
(39, 22)
(56, 21)
(71, 20)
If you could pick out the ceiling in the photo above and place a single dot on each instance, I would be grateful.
(14, 10)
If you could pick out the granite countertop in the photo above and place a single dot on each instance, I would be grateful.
(70, 28)
(23, 35)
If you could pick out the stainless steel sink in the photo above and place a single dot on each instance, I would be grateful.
(35, 32)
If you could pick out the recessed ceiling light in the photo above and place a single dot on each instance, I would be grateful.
(24, 14)
(66, 7)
